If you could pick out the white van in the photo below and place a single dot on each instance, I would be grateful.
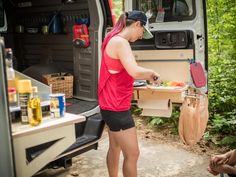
(179, 29)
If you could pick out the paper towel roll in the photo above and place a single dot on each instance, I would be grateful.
(161, 108)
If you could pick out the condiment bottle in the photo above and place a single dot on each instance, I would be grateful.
(12, 96)
(34, 108)
(24, 93)
(9, 68)
(9, 63)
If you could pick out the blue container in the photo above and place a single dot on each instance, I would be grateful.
(55, 25)
(57, 105)
(81, 21)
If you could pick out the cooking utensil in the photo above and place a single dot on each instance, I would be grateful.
(32, 30)
(149, 14)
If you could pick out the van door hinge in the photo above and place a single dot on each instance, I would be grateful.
(200, 39)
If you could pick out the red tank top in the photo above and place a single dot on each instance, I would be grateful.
(112, 63)
(114, 90)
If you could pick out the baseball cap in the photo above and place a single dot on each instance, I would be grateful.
(140, 16)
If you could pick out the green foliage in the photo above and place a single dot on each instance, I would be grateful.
(221, 75)
(171, 122)
(136, 110)
(222, 69)
(229, 140)
(156, 121)
(117, 7)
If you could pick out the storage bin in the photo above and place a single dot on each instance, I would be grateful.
(60, 83)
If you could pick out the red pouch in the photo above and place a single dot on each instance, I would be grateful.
(198, 75)
(81, 36)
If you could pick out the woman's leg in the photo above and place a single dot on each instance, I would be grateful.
(113, 156)
(127, 140)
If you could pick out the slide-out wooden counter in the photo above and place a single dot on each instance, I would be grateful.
(175, 94)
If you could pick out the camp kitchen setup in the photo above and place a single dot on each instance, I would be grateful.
(50, 58)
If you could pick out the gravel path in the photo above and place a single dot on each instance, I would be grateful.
(157, 159)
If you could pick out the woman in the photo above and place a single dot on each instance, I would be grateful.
(117, 73)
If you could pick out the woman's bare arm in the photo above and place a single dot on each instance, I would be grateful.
(128, 61)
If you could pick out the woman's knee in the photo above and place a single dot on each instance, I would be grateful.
(114, 149)
(132, 154)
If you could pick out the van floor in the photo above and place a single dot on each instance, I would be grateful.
(77, 106)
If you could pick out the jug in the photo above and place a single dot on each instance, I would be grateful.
(55, 25)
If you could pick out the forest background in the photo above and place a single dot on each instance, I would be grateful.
(221, 22)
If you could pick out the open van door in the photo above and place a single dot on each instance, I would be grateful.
(6, 152)
(180, 38)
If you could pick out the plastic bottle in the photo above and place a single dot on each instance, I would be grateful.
(34, 108)
(12, 96)
(9, 63)
(160, 15)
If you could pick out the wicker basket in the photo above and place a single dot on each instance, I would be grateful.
(60, 83)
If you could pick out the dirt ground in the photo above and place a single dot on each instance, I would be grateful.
(163, 135)
(162, 155)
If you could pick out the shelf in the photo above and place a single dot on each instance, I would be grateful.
(162, 88)
(45, 39)
(17, 108)
(40, 34)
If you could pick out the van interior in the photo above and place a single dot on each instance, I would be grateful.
(40, 34)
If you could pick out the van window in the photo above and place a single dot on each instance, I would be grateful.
(166, 10)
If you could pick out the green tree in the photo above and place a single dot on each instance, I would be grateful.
(222, 69)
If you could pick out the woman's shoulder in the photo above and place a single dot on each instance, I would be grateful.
(118, 42)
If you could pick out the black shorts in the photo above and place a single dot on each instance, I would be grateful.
(117, 121)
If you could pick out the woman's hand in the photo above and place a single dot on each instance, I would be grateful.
(212, 171)
(155, 78)
(222, 169)
(218, 160)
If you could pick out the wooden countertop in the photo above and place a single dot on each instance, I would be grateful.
(19, 129)
(162, 88)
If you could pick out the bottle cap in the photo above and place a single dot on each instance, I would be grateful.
(11, 89)
(9, 54)
(24, 86)
(35, 89)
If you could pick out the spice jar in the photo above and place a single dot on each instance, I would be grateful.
(12, 96)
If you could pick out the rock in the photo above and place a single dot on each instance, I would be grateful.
(74, 173)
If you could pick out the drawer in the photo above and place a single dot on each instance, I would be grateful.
(175, 95)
